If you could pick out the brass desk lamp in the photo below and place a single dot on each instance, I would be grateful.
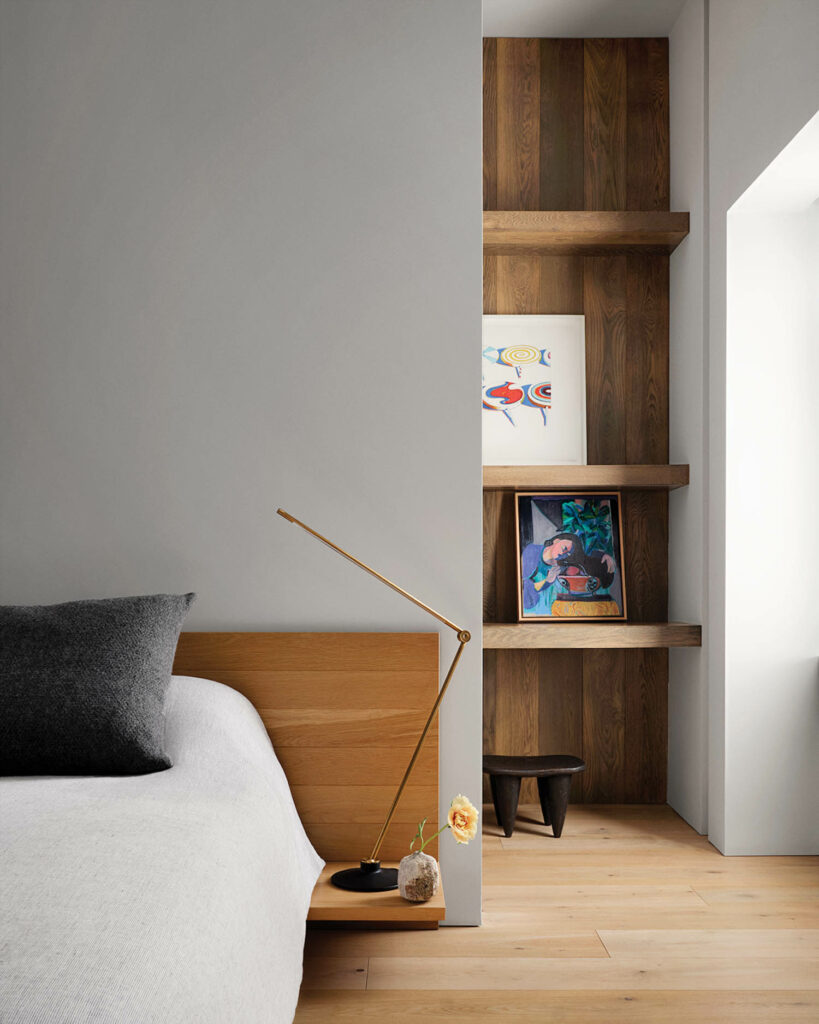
(371, 877)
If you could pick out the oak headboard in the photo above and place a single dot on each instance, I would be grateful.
(344, 711)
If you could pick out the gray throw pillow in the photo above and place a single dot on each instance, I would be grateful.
(82, 685)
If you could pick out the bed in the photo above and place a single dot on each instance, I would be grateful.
(179, 896)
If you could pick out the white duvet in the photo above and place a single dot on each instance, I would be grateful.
(178, 897)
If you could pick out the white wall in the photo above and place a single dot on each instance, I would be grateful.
(772, 492)
(241, 268)
(763, 87)
(687, 689)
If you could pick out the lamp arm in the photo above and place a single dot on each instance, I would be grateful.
(463, 638)
(369, 569)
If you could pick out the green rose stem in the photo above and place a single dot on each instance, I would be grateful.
(419, 836)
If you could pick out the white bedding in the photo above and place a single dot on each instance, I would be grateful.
(178, 897)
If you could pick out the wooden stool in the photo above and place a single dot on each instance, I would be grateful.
(554, 778)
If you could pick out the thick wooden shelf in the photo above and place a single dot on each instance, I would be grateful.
(514, 636)
(592, 478)
(582, 231)
(331, 904)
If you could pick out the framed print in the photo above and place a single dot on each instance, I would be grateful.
(569, 556)
(534, 391)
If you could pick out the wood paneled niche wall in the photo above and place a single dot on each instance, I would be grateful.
(580, 126)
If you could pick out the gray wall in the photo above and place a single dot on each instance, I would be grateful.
(241, 252)
(687, 682)
(763, 86)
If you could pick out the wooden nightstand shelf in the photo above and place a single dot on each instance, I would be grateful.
(331, 904)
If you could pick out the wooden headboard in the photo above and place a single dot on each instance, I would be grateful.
(344, 711)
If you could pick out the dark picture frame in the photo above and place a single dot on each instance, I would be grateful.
(569, 547)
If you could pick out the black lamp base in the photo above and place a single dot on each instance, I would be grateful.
(370, 877)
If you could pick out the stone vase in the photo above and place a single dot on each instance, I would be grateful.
(418, 877)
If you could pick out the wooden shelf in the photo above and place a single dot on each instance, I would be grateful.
(331, 904)
(592, 478)
(585, 232)
(512, 636)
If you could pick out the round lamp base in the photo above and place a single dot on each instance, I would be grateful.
(370, 877)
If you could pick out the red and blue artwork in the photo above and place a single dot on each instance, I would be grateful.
(570, 556)
(504, 397)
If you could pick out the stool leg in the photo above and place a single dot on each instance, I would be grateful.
(505, 796)
(543, 793)
(557, 790)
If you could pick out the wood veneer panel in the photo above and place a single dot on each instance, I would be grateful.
(600, 478)
(604, 742)
(645, 540)
(332, 904)
(333, 766)
(604, 301)
(647, 283)
(326, 805)
(647, 133)
(580, 635)
(561, 124)
(560, 708)
(518, 124)
(561, 285)
(499, 557)
(318, 652)
(352, 841)
(352, 728)
(533, 126)
(516, 697)
(293, 689)
(646, 705)
(605, 115)
(490, 124)
(583, 232)
(517, 283)
(344, 711)
(490, 287)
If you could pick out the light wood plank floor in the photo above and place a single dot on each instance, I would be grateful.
(629, 917)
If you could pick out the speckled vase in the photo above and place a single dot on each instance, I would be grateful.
(418, 877)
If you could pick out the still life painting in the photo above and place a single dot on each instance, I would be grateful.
(534, 390)
(570, 557)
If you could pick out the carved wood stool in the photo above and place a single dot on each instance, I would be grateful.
(554, 778)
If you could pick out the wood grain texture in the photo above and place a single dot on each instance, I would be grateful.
(335, 841)
(605, 112)
(561, 285)
(647, 284)
(582, 232)
(645, 704)
(547, 903)
(596, 478)
(490, 124)
(561, 124)
(568, 1007)
(604, 302)
(551, 256)
(499, 557)
(343, 711)
(517, 283)
(647, 144)
(516, 688)
(599, 635)
(604, 720)
(645, 543)
(332, 904)
(518, 124)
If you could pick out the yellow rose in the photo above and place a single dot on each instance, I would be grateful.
(463, 819)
